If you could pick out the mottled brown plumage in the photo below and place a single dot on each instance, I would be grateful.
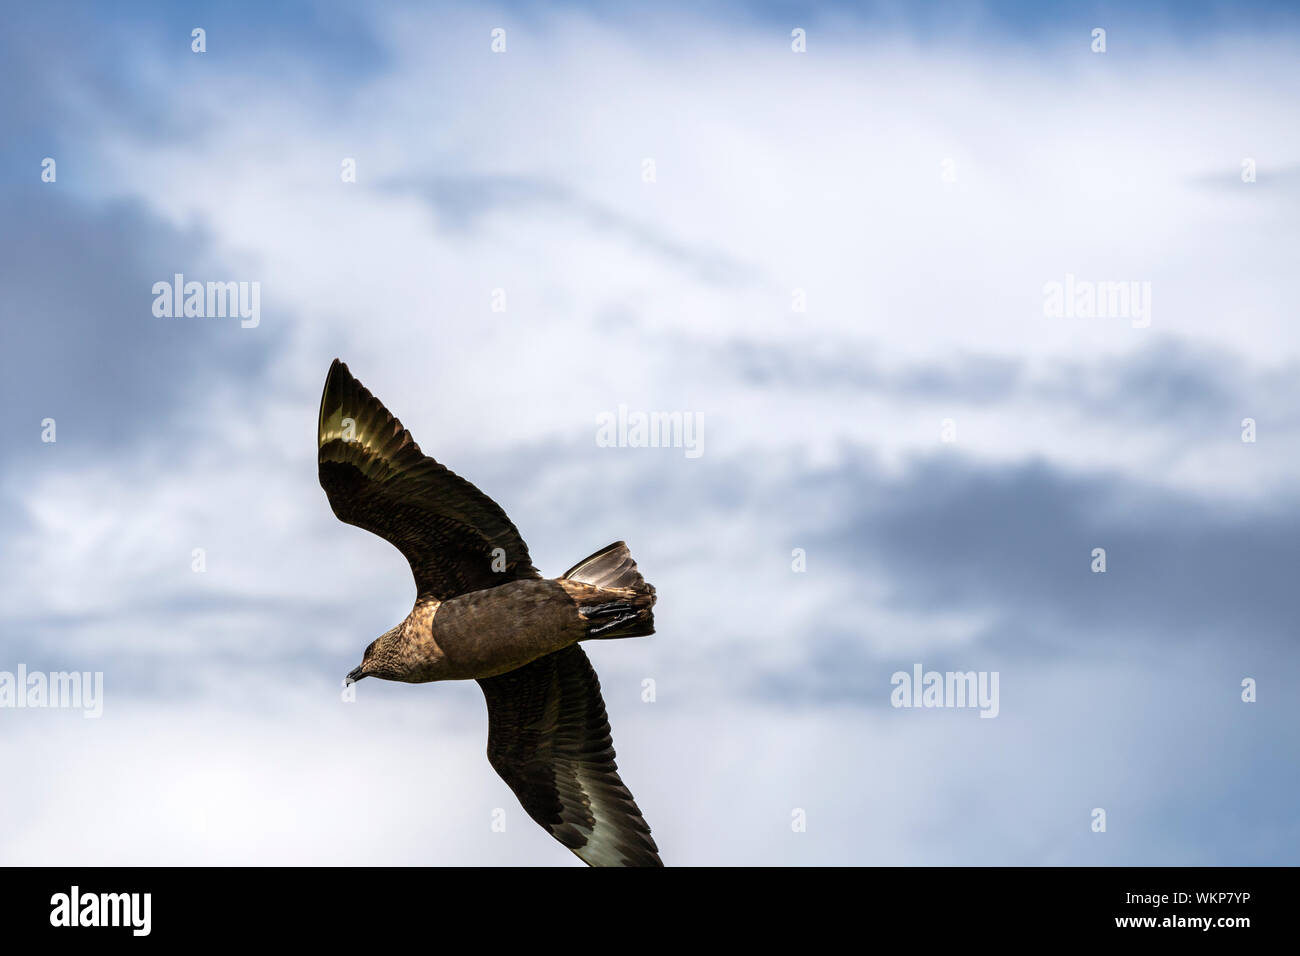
(483, 612)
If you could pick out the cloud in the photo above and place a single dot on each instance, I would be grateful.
(775, 174)
(78, 283)
(461, 202)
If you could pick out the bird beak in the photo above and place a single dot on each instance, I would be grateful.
(356, 675)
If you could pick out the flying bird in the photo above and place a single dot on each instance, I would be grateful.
(483, 612)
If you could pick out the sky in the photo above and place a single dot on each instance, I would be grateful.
(838, 262)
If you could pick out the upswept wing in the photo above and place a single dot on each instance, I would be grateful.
(377, 478)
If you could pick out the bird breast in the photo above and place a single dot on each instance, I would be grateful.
(489, 632)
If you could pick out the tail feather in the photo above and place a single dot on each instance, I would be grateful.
(627, 614)
(610, 567)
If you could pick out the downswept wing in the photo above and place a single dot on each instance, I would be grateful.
(548, 738)
(377, 478)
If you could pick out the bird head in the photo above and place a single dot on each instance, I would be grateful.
(380, 658)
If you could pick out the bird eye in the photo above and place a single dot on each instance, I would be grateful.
(371, 649)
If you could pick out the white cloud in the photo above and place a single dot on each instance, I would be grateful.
(773, 173)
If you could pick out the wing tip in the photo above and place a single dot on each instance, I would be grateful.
(338, 372)
(338, 375)
(622, 855)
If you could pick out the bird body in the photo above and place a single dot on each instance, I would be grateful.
(489, 632)
(483, 612)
